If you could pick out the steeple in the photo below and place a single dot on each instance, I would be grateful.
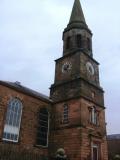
(77, 35)
(77, 13)
(78, 100)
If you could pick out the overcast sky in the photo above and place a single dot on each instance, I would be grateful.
(31, 39)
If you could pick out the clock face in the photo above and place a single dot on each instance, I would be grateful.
(66, 67)
(90, 68)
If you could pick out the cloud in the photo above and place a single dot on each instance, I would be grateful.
(31, 39)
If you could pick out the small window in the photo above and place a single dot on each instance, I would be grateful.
(93, 116)
(42, 130)
(89, 44)
(12, 121)
(68, 43)
(79, 41)
(93, 95)
(65, 114)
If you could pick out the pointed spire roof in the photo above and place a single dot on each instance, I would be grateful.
(77, 19)
(77, 13)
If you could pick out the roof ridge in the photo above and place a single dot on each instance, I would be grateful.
(25, 90)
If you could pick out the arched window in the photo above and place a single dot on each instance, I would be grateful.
(43, 124)
(79, 41)
(89, 44)
(12, 121)
(68, 43)
(65, 114)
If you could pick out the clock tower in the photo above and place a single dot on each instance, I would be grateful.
(78, 111)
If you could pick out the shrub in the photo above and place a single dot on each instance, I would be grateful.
(60, 154)
(117, 157)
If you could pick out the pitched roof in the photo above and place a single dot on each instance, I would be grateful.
(113, 136)
(20, 88)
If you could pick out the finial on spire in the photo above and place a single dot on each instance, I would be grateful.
(77, 13)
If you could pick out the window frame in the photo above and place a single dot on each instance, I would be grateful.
(65, 114)
(47, 140)
(7, 116)
(93, 116)
(96, 145)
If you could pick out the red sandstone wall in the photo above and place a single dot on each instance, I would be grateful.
(77, 136)
(28, 129)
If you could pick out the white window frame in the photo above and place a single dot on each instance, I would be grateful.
(97, 147)
(10, 128)
(94, 116)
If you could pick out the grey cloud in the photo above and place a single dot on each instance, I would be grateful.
(31, 38)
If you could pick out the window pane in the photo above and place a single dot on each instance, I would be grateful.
(65, 114)
(42, 131)
(10, 117)
(94, 116)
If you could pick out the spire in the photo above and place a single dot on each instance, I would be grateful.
(77, 13)
(77, 19)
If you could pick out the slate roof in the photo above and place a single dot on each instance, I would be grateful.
(113, 136)
(20, 88)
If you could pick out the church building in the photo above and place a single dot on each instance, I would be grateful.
(73, 116)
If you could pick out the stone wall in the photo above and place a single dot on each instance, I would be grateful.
(29, 121)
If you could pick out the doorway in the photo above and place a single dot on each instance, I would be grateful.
(95, 152)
